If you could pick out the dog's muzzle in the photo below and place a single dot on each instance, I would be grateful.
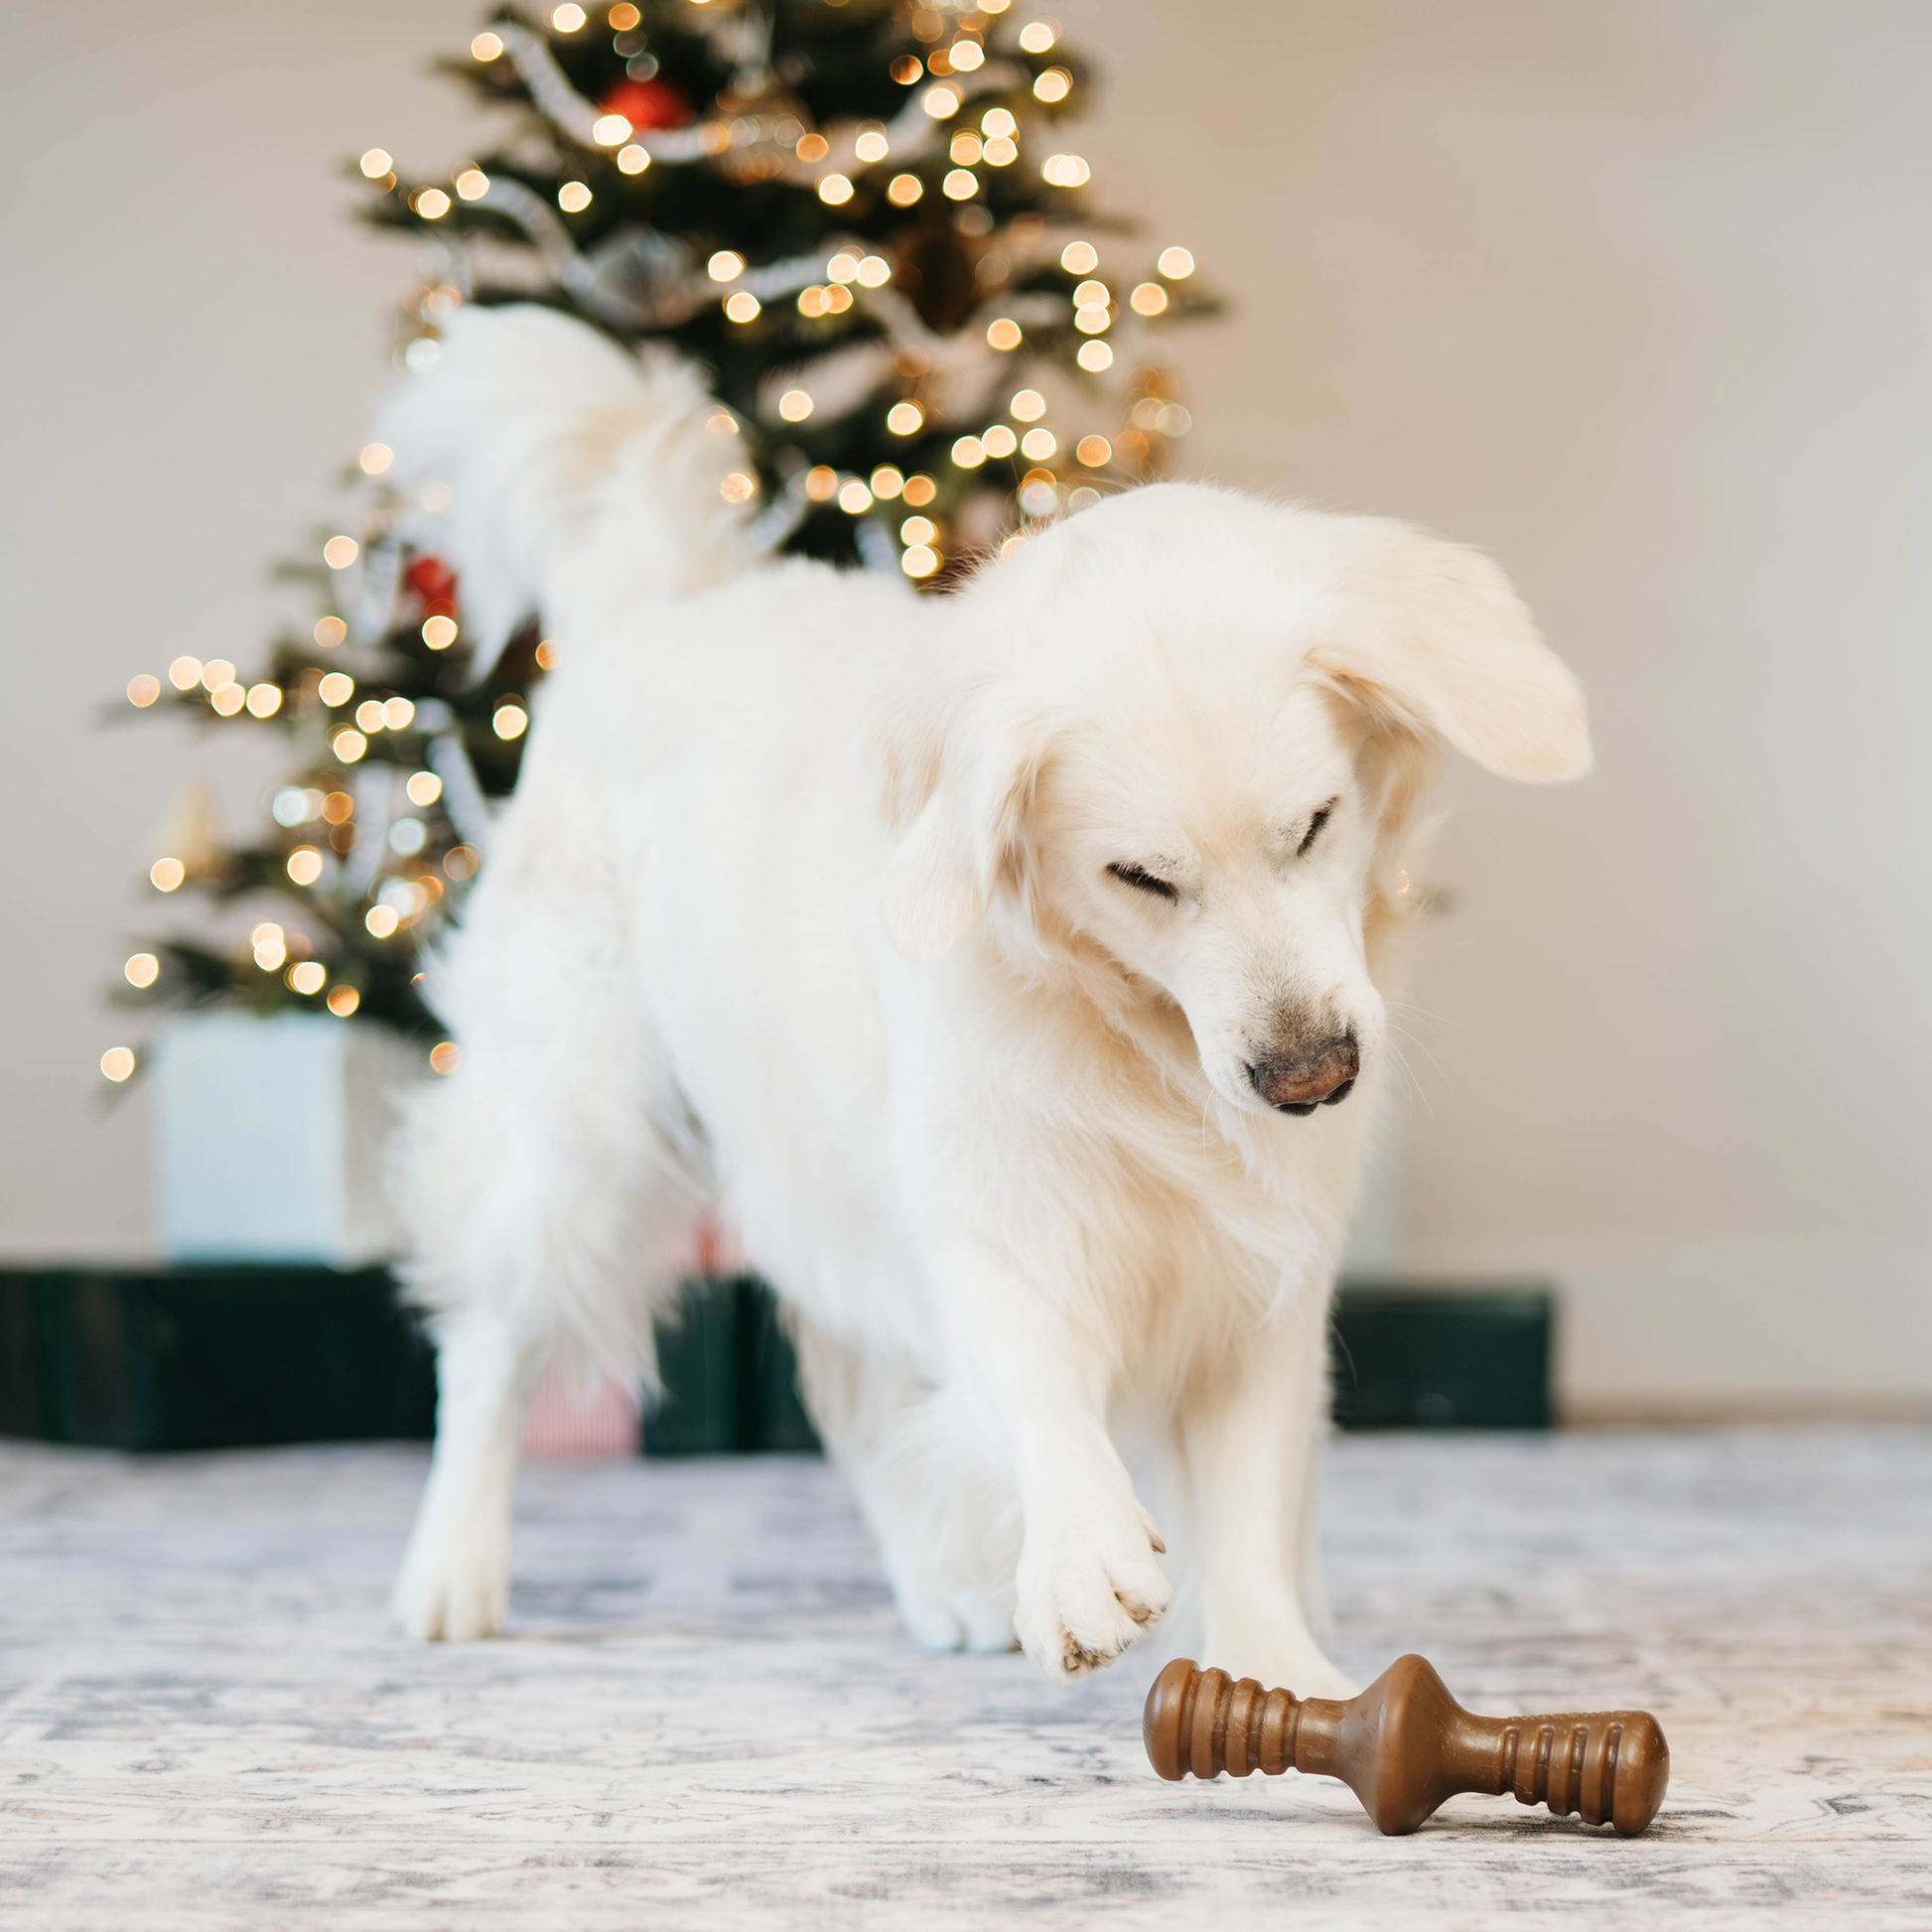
(1319, 1080)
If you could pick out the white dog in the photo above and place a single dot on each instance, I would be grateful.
(992, 963)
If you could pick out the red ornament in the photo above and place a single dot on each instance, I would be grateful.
(647, 103)
(435, 583)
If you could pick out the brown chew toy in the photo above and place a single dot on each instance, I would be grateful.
(1405, 1744)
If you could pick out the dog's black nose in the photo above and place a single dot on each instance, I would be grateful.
(1321, 1078)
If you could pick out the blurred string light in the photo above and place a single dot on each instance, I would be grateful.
(573, 198)
(440, 631)
(471, 185)
(308, 976)
(305, 865)
(510, 720)
(1176, 264)
(118, 1063)
(377, 163)
(423, 788)
(375, 459)
(1038, 35)
(142, 691)
(166, 874)
(342, 1000)
(1080, 258)
(329, 631)
(185, 674)
(888, 482)
(487, 47)
(336, 688)
(1054, 86)
(142, 969)
(270, 946)
(1095, 357)
(445, 1056)
(339, 552)
(1026, 406)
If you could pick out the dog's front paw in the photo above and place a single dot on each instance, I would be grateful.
(1085, 1596)
(452, 1587)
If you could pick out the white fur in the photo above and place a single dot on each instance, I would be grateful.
(801, 911)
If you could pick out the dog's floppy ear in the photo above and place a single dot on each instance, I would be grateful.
(1431, 636)
(956, 765)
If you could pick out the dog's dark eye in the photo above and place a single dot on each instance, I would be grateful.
(1142, 882)
(1314, 828)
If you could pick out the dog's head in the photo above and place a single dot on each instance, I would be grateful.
(1176, 741)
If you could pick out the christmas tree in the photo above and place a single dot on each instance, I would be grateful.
(860, 217)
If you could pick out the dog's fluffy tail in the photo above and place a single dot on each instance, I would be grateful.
(581, 480)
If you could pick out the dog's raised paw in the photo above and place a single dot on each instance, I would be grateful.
(1082, 1602)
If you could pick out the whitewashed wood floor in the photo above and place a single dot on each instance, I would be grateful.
(707, 1716)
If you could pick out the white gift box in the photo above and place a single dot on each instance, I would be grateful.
(271, 1137)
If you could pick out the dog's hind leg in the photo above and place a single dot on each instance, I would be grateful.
(549, 1203)
(945, 1523)
(455, 1579)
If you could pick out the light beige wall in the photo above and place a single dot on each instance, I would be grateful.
(190, 331)
(1634, 295)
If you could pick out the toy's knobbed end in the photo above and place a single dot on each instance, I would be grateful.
(1160, 1721)
(1206, 1722)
